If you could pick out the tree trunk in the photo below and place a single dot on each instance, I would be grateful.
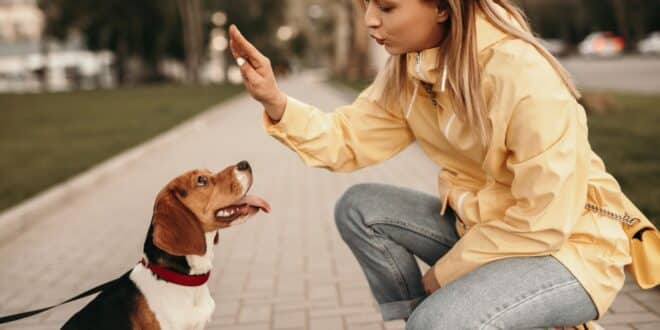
(619, 7)
(360, 49)
(190, 11)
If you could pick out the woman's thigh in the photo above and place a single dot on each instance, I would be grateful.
(404, 216)
(512, 293)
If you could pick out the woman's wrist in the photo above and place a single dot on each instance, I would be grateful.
(275, 110)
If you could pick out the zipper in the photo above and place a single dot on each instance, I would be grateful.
(626, 219)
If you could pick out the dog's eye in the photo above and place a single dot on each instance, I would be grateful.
(202, 181)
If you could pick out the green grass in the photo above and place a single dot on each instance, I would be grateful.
(47, 138)
(624, 138)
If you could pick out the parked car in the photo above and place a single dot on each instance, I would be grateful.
(650, 45)
(556, 47)
(602, 44)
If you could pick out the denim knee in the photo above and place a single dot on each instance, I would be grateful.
(426, 317)
(421, 318)
(348, 217)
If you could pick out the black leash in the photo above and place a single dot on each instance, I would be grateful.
(106, 285)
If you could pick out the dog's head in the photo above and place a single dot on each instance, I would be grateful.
(198, 202)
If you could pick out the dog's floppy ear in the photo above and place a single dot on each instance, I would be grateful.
(176, 229)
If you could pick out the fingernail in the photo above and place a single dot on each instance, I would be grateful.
(240, 61)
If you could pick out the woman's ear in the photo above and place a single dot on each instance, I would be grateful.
(442, 15)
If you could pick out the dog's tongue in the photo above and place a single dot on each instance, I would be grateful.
(255, 201)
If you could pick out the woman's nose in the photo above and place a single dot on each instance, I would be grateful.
(371, 18)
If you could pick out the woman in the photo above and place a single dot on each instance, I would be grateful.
(510, 241)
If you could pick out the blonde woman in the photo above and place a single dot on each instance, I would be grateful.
(509, 240)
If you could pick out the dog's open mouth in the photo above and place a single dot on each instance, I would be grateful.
(248, 205)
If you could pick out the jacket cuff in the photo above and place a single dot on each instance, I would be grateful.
(443, 275)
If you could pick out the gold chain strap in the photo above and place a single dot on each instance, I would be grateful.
(621, 218)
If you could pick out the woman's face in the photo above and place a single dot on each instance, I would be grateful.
(404, 26)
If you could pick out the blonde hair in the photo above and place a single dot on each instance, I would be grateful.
(464, 78)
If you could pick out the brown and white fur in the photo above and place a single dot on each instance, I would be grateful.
(188, 214)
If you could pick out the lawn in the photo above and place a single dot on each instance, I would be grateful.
(624, 137)
(47, 138)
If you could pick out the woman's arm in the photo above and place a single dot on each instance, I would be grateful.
(353, 136)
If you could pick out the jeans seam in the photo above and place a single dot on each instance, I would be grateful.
(403, 288)
(420, 230)
(526, 299)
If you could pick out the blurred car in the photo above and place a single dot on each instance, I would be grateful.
(603, 44)
(556, 47)
(650, 45)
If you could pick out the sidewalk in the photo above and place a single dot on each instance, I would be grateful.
(285, 270)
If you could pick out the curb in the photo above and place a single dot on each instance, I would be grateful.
(22, 216)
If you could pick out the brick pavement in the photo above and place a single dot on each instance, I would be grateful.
(285, 270)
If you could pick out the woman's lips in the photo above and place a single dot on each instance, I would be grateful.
(378, 40)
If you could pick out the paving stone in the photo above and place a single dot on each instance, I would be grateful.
(625, 318)
(647, 326)
(363, 318)
(328, 323)
(289, 320)
(369, 326)
(625, 303)
(395, 325)
(254, 313)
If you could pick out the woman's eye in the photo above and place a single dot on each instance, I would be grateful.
(202, 181)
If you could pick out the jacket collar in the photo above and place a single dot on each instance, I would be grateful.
(424, 66)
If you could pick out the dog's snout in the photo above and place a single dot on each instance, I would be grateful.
(243, 166)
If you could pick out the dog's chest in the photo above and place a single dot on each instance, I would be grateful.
(175, 307)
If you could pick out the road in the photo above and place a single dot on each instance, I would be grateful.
(628, 73)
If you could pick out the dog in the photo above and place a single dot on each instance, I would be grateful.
(167, 288)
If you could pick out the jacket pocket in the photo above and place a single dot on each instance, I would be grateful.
(494, 199)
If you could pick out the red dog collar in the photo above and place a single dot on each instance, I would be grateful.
(176, 278)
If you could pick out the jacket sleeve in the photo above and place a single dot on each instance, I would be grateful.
(549, 186)
(353, 136)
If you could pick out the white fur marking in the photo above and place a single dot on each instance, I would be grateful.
(202, 264)
(175, 306)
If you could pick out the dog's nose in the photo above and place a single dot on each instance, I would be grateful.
(243, 166)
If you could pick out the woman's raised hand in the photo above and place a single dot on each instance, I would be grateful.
(258, 76)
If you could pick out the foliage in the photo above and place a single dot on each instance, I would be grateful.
(147, 29)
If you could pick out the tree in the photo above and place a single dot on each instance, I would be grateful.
(147, 30)
(193, 36)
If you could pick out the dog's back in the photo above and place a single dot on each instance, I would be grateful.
(121, 306)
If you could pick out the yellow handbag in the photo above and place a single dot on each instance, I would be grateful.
(644, 243)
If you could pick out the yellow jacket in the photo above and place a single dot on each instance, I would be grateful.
(524, 196)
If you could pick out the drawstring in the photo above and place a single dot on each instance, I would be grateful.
(445, 200)
(443, 82)
(412, 100)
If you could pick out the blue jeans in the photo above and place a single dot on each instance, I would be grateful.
(387, 226)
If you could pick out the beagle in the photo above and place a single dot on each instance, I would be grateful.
(167, 289)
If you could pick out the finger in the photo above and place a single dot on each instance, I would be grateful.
(245, 47)
(248, 73)
(233, 49)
